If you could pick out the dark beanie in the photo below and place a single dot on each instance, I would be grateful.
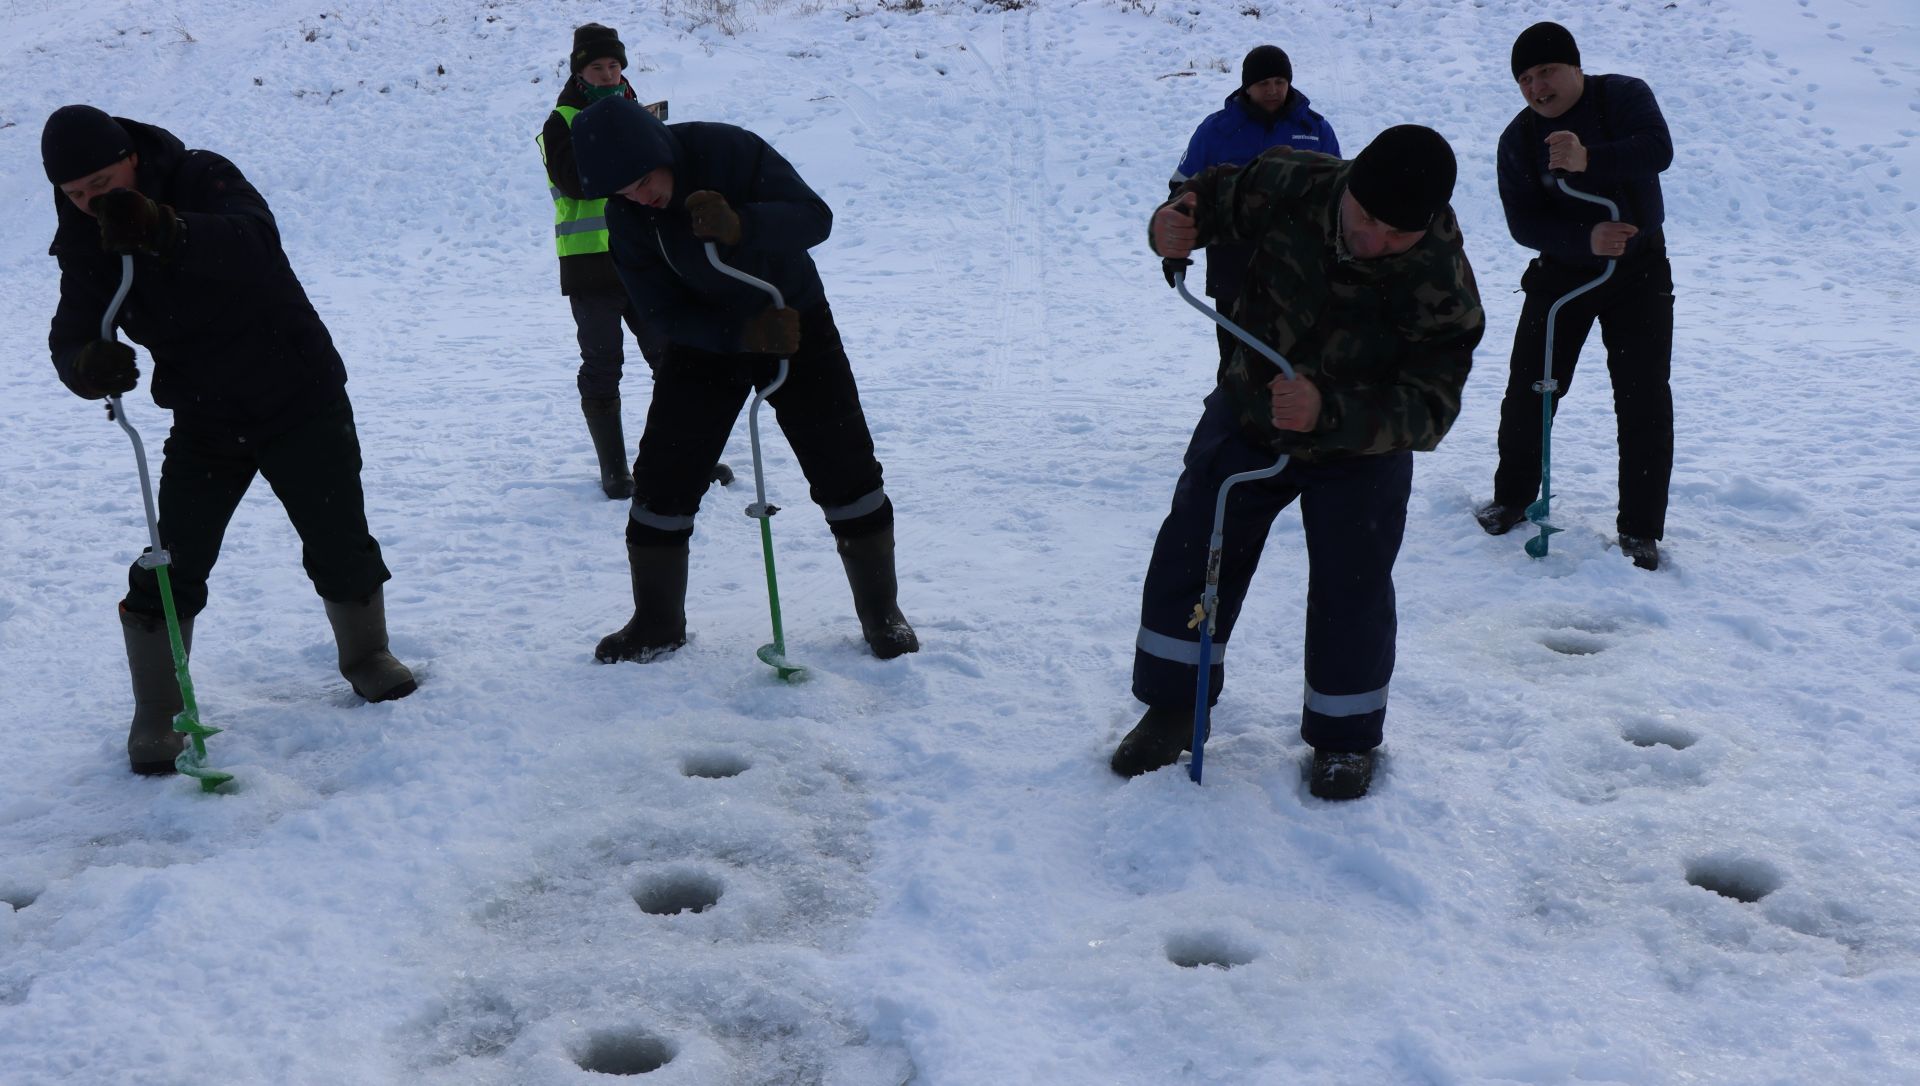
(1544, 43)
(80, 140)
(1265, 62)
(593, 41)
(1404, 177)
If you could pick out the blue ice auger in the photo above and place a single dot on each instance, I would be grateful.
(1206, 612)
(1547, 386)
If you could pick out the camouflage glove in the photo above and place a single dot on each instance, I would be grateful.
(772, 331)
(712, 219)
(104, 368)
(131, 223)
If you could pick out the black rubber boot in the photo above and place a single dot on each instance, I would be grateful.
(1499, 519)
(152, 744)
(1644, 552)
(659, 623)
(610, 445)
(1337, 774)
(868, 560)
(360, 631)
(1154, 743)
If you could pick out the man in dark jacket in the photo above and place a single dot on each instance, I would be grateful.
(244, 364)
(1267, 111)
(677, 188)
(1606, 134)
(1359, 278)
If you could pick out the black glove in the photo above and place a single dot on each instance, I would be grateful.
(131, 223)
(104, 368)
(713, 219)
(772, 331)
(1169, 266)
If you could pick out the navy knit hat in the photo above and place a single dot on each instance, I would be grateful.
(593, 41)
(1544, 43)
(1404, 177)
(1265, 62)
(81, 140)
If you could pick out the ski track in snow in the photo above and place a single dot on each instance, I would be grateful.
(922, 871)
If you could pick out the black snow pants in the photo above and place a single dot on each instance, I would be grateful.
(596, 320)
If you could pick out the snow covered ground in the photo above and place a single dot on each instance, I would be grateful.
(923, 870)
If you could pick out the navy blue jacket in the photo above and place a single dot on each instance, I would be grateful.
(1234, 136)
(663, 266)
(234, 339)
(1627, 145)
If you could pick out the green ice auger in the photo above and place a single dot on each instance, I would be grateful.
(191, 761)
(1547, 386)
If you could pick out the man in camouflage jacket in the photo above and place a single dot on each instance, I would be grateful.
(1360, 280)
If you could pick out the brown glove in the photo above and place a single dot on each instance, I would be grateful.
(131, 223)
(772, 331)
(712, 219)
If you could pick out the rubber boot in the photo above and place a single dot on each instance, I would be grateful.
(659, 623)
(869, 563)
(609, 444)
(152, 744)
(360, 631)
(1339, 774)
(1154, 743)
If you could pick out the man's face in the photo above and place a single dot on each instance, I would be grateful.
(654, 188)
(604, 72)
(1269, 94)
(117, 176)
(1552, 89)
(1367, 237)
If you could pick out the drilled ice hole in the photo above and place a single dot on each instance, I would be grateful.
(714, 764)
(1573, 643)
(625, 1052)
(1195, 949)
(1741, 880)
(1658, 733)
(18, 899)
(679, 892)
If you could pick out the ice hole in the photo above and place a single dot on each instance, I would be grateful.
(1568, 643)
(678, 893)
(1742, 880)
(1656, 733)
(714, 765)
(18, 899)
(625, 1053)
(1207, 948)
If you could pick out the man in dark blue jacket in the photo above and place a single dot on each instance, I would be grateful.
(245, 365)
(672, 189)
(1607, 135)
(1267, 111)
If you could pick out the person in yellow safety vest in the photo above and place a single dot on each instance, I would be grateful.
(596, 65)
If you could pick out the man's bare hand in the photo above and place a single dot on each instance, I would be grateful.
(1296, 404)
(1610, 238)
(1173, 230)
(1566, 152)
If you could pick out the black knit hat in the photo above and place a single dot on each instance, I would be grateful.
(80, 140)
(1265, 62)
(1544, 43)
(1404, 177)
(593, 41)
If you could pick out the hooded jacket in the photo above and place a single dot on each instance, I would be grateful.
(233, 338)
(663, 266)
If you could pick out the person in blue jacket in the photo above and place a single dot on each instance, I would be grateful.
(672, 189)
(1607, 135)
(1267, 111)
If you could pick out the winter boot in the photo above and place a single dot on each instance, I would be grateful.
(869, 563)
(1339, 774)
(659, 623)
(152, 744)
(1644, 552)
(609, 444)
(1499, 519)
(1155, 742)
(360, 630)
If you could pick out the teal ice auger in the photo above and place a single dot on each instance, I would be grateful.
(775, 654)
(1547, 386)
(192, 761)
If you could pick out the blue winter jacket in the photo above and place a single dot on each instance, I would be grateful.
(1235, 136)
(1627, 145)
(662, 265)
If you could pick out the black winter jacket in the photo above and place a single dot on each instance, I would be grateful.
(233, 338)
(1628, 146)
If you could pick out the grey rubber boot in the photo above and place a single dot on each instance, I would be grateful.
(360, 631)
(152, 744)
(610, 445)
(876, 590)
(659, 623)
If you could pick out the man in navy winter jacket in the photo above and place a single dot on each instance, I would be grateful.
(671, 190)
(1606, 134)
(1266, 111)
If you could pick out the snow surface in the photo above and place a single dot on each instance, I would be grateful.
(925, 872)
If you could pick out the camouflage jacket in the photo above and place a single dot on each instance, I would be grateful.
(1388, 342)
